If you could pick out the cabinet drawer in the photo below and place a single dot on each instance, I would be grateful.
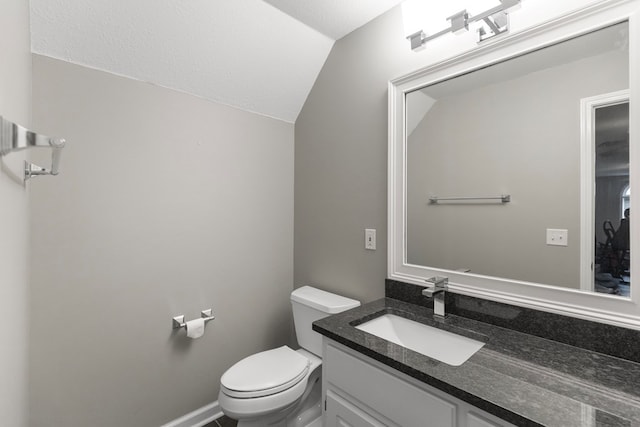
(341, 413)
(474, 420)
(386, 394)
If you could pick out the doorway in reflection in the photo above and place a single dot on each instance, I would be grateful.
(612, 199)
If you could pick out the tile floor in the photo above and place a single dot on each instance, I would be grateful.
(223, 422)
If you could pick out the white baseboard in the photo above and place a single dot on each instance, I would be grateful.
(199, 417)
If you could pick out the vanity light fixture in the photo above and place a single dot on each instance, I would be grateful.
(490, 23)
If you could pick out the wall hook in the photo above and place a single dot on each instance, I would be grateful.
(14, 137)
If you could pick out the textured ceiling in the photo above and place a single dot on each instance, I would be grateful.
(244, 53)
(334, 18)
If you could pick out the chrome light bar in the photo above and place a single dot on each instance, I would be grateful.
(495, 19)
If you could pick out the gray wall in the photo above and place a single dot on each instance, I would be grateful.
(341, 148)
(15, 105)
(527, 144)
(166, 204)
(341, 161)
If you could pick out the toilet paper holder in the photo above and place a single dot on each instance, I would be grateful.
(178, 321)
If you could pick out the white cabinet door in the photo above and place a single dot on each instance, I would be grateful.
(362, 392)
(385, 393)
(341, 413)
(474, 420)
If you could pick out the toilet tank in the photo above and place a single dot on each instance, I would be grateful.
(311, 304)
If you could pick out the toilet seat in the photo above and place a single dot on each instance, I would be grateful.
(265, 373)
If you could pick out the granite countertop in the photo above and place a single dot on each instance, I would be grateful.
(523, 379)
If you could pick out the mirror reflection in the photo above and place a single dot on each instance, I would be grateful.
(612, 198)
(517, 129)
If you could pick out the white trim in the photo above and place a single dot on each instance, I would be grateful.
(587, 180)
(199, 417)
(588, 413)
(603, 308)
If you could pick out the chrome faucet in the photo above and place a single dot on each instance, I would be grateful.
(437, 292)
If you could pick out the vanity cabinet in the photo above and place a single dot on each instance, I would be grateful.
(361, 392)
(341, 412)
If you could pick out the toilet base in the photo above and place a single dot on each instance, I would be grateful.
(310, 412)
(306, 412)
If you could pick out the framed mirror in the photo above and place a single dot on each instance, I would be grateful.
(511, 168)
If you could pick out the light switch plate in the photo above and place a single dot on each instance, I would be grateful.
(370, 239)
(557, 237)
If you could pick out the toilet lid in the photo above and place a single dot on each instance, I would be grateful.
(265, 373)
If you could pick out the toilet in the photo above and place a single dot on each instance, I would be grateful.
(282, 387)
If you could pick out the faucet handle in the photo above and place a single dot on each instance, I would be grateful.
(438, 281)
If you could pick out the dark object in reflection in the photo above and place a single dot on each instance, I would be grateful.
(614, 258)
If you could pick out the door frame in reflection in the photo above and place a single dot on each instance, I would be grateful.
(588, 107)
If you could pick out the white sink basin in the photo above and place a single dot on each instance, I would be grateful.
(444, 346)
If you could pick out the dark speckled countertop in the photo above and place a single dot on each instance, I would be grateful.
(521, 378)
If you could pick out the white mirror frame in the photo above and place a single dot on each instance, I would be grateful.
(615, 310)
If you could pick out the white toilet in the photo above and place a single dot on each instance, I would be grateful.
(282, 387)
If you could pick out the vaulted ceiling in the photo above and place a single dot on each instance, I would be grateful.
(259, 56)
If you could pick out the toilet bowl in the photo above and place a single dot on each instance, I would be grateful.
(281, 387)
(280, 379)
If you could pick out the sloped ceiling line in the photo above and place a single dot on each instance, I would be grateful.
(258, 56)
